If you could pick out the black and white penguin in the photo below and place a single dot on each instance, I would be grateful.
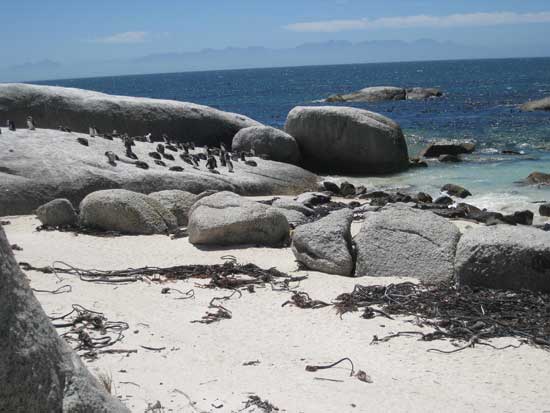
(30, 123)
(229, 163)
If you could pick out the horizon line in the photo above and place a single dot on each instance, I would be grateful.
(280, 67)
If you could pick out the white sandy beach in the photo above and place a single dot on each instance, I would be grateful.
(202, 365)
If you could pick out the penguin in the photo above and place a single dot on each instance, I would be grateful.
(235, 157)
(171, 147)
(202, 156)
(252, 152)
(176, 168)
(168, 156)
(222, 159)
(91, 131)
(111, 158)
(159, 162)
(196, 160)
(155, 155)
(186, 149)
(160, 148)
(30, 123)
(229, 163)
(11, 125)
(211, 163)
(243, 156)
(186, 158)
(148, 137)
(251, 163)
(142, 165)
(223, 149)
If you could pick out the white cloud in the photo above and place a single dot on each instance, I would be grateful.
(123, 38)
(452, 20)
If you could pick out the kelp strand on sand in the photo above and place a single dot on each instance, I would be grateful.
(465, 314)
(220, 275)
(89, 330)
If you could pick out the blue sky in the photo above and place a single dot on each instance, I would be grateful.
(77, 30)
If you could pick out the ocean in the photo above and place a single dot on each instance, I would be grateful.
(479, 104)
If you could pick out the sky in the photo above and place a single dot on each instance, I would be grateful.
(67, 31)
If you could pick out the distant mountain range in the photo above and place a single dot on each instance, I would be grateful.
(331, 52)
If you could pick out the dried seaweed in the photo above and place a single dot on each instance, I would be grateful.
(462, 313)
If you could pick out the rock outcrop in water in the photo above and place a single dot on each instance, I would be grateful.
(541, 104)
(78, 109)
(39, 166)
(435, 150)
(385, 93)
(39, 372)
(347, 140)
(538, 178)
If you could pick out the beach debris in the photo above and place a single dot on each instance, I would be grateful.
(251, 363)
(222, 313)
(312, 368)
(63, 289)
(153, 348)
(458, 313)
(264, 405)
(154, 408)
(89, 330)
(220, 275)
(188, 294)
(217, 404)
(303, 300)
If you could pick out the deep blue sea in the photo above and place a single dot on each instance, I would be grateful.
(480, 104)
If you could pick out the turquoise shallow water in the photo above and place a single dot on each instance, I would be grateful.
(480, 105)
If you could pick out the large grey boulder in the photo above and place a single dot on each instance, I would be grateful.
(371, 94)
(39, 372)
(265, 140)
(56, 213)
(125, 211)
(177, 202)
(294, 218)
(541, 104)
(41, 165)
(406, 242)
(504, 257)
(226, 218)
(348, 140)
(325, 245)
(77, 109)
(419, 93)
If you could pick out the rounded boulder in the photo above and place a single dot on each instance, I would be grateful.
(348, 140)
(125, 211)
(265, 140)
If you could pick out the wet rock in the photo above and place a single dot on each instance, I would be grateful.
(406, 242)
(541, 104)
(360, 190)
(126, 212)
(419, 93)
(82, 141)
(444, 200)
(504, 257)
(58, 212)
(347, 189)
(456, 190)
(435, 150)
(544, 210)
(538, 178)
(293, 205)
(226, 218)
(449, 159)
(423, 197)
(521, 217)
(311, 199)
(417, 163)
(371, 94)
(331, 187)
(325, 245)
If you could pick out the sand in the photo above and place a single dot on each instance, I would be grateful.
(202, 365)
